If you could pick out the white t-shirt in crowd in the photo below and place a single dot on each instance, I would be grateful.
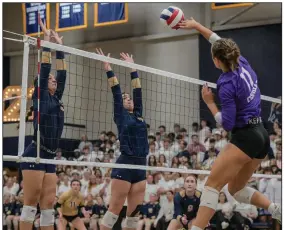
(150, 189)
(63, 188)
(11, 191)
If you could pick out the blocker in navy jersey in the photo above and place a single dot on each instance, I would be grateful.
(240, 98)
(132, 130)
(51, 113)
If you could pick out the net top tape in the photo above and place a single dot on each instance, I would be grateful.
(95, 56)
(121, 166)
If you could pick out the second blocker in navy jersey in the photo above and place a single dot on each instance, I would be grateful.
(239, 95)
(132, 129)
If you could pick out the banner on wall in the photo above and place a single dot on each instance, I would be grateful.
(224, 5)
(71, 16)
(110, 13)
(30, 17)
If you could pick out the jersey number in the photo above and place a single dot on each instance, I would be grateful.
(245, 75)
(72, 204)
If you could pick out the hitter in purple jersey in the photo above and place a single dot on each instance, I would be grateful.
(240, 100)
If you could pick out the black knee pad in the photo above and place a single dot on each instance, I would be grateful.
(136, 212)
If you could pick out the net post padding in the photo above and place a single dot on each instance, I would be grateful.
(121, 166)
(25, 70)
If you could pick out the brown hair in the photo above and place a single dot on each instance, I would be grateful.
(227, 51)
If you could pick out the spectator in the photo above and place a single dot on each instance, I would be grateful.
(18, 210)
(98, 212)
(167, 150)
(162, 130)
(10, 188)
(195, 146)
(176, 129)
(244, 215)
(59, 155)
(273, 136)
(204, 131)
(211, 148)
(201, 180)
(152, 150)
(64, 187)
(9, 211)
(183, 150)
(163, 161)
(195, 128)
(166, 213)
(152, 161)
(218, 140)
(223, 212)
(86, 177)
(87, 155)
(84, 142)
(151, 213)
(183, 133)
(151, 188)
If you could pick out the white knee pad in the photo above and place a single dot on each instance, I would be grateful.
(28, 214)
(47, 217)
(109, 219)
(244, 195)
(209, 198)
(130, 222)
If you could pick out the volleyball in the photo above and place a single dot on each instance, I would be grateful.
(171, 16)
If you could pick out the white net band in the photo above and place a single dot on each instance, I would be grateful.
(86, 54)
(121, 166)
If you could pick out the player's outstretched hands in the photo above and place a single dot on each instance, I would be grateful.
(106, 64)
(55, 37)
(46, 32)
(128, 58)
(188, 24)
(207, 95)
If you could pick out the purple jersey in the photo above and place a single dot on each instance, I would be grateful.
(239, 96)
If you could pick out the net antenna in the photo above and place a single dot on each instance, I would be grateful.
(38, 84)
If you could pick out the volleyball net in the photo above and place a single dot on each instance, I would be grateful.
(168, 99)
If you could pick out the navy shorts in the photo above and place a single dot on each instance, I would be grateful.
(131, 175)
(31, 151)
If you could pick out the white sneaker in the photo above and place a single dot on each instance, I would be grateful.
(224, 225)
(276, 214)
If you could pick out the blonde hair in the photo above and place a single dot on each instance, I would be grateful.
(227, 51)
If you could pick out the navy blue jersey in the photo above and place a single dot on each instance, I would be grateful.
(9, 209)
(51, 106)
(132, 129)
(87, 208)
(143, 210)
(185, 205)
(99, 210)
(239, 96)
(18, 208)
(152, 210)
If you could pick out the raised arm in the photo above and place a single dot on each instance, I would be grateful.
(44, 74)
(60, 66)
(116, 91)
(207, 33)
(136, 85)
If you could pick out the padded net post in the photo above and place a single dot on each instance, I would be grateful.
(25, 72)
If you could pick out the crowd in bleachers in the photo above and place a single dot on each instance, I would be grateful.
(176, 148)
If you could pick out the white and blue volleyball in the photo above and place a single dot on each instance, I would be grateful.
(171, 16)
